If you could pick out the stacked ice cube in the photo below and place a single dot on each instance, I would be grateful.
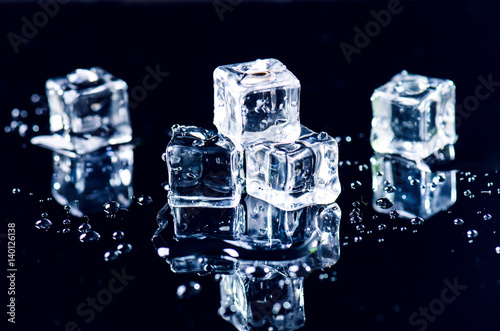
(414, 118)
(260, 150)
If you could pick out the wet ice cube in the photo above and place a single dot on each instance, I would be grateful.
(274, 301)
(88, 110)
(413, 188)
(413, 116)
(196, 222)
(294, 175)
(85, 182)
(204, 169)
(256, 100)
(271, 227)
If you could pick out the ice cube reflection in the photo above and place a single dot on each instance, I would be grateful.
(412, 186)
(260, 288)
(86, 181)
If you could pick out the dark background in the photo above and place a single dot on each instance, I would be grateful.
(379, 284)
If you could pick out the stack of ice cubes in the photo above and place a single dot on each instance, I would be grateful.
(90, 126)
(413, 129)
(260, 176)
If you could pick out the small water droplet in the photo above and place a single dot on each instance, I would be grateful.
(190, 289)
(393, 214)
(360, 227)
(390, 189)
(111, 208)
(467, 193)
(356, 184)
(358, 239)
(487, 217)
(111, 256)
(84, 228)
(490, 184)
(458, 221)
(44, 215)
(43, 224)
(403, 228)
(66, 230)
(118, 235)
(497, 249)
(90, 236)
(384, 203)
(472, 233)
(144, 200)
(66, 222)
(417, 221)
(382, 227)
(124, 248)
(198, 143)
(16, 190)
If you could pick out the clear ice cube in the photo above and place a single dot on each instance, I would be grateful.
(413, 116)
(412, 186)
(294, 175)
(88, 110)
(268, 227)
(85, 182)
(272, 301)
(256, 100)
(204, 169)
(196, 222)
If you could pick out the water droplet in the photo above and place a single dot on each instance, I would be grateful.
(164, 157)
(384, 203)
(124, 248)
(111, 256)
(118, 235)
(360, 227)
(90, 236)
(497, 249)
(43, 224)
(458, 221)
(381, 240)
(66, 222)
(67, 208)
(44, 215)
(472, 233)
(467, 193)
(66, 230)
(404, 228)
(389, 189)
(84, 228)
(382, 227)
(490, 184)
(16, 190)
(111, 208)
(487, 217)
(417, 221)
(358, 239)
(356, 184)
(188, 290)
(144, 200)
(393, 214)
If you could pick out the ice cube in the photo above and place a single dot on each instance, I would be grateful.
(204, 169)
(268, 227)
(196, 222)
(413, 188)
(88, 110)
(413, 116)
(272, 301)
(294, 175)
(85, 182)
(256, 100)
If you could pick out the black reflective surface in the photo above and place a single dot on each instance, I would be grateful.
(404, 277)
